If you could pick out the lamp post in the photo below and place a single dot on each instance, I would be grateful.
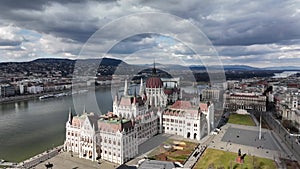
(259, 135)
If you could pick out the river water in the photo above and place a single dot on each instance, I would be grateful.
(285, 74)
(30, 127)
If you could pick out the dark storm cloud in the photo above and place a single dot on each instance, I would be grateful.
(259, 33)
(32, 15)
(231, 23)
(239, 22)
(235, 51)
(72, 31)
(7, 5)
(32, 4)
(9, 43)
(243, 30)
(132, 45)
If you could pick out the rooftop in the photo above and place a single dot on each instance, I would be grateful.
(181, 104)
(150, 164)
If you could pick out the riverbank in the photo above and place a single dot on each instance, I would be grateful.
(35, 96)
(40, 158)
(33, 161)
(27, 97)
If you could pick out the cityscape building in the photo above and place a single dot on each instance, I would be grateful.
(135, 118)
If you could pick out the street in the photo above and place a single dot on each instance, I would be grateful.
(284, 135)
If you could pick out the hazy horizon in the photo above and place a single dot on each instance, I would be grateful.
(151, 63)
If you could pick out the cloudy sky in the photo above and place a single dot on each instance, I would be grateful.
(256, 33)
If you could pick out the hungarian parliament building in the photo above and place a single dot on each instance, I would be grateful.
(115, 136)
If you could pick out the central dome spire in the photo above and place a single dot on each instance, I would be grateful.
(154, 81)
(154, 69)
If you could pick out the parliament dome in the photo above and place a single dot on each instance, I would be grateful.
(154, 82)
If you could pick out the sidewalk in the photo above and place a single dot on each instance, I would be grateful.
(64, 160)
(197, 153)
(285, 140)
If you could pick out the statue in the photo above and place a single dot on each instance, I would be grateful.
(240, 158)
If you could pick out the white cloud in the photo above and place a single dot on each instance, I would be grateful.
(254, 33)
(9, 33)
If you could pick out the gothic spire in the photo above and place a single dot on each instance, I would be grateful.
(154, 69)
(126, 88)
(116, 96)
(70, 116)
(84, 111)
(135, 92)
(141, 87)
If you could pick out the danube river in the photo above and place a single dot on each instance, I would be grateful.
(30, 127)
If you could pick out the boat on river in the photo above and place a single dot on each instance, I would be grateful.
(47, 96)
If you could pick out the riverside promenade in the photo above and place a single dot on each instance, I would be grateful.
(37, 95)
(28, 96)
(65, 160)
(33, 161)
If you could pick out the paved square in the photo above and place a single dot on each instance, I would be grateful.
(65, 161)
(249, 138)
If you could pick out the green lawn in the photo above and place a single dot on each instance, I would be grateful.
(241, 119)
(160, 153)
(218, 159)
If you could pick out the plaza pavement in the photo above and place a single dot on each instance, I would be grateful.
(227, 140)
(249, 138)
(233, 137)
(65, 161)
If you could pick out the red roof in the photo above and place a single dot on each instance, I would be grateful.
(76, 121)
(174, 112)
(292, 85)
(203, 107)
(154, 82)
(128, 100)
(114, 126)
(181, 104)
(103, 125)
(125, 101)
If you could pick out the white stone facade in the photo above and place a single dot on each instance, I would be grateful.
(105, 137)
(116, 135)
(188, 121)
(210, 94)
(249, 101)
